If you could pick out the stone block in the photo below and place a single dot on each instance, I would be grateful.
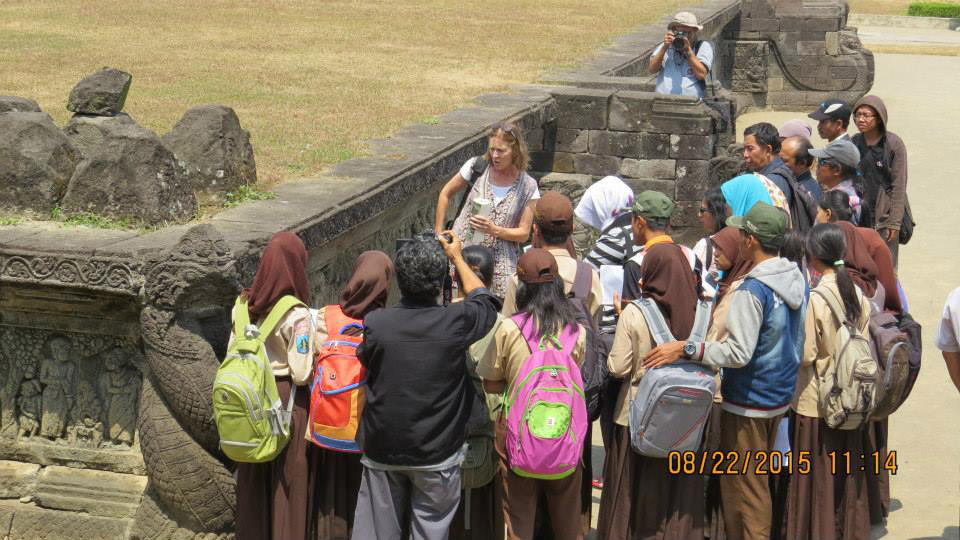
(99, 493)
(615, 143)
(843, 72)
(833, 43)
(679, 125)
(214, 148)
(582, 108)
(564, 162)
(596, 165)
(790, 98)
(811, 48)
(572, 140)
(654, 146)
(18, 104)
(691, 146)
(126, 172)
(667, 187)
(813, 35)
(649, 168)
(534, 139)
(826, 24)
(787, 42)
(813, 72)
(541, 161)
(17, 479)
(36, 162)
(775, 84)
(629, 109)
(692, 179)
(27, 522)
(571, 185)
(102, 93)
(760, 25)
(685, 214)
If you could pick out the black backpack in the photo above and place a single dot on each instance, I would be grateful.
(594, 369)
(803, 207)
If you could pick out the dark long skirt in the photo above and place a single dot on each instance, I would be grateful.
(544, 529)
(878, 486)
(334, 490)
(713, 518)
(486, 513)
(827, 504)
(272, 497)
(642, 500)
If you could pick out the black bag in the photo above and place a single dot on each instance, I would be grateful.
(594, 369)
(907, 223)
(803, 208)
(724, 110)
(912, 329)
(476, 171)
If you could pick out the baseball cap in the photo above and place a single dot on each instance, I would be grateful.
(768, 223)
(652, 204)
(795, 128)
(842, 151)
(685, 18)
(554, 211)
(832, 109)
(537, 266)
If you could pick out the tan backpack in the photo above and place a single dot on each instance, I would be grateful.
(847, 389)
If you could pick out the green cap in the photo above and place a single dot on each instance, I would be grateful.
(652, 204)
(767, 223)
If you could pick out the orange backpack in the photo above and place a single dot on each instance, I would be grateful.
(337, 390)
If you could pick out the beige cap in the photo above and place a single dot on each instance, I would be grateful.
(686, 19)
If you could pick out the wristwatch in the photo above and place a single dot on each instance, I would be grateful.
(689, 349)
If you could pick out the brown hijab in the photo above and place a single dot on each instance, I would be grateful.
(667, 278)
(369, 284)
(282, 271)
(859, 262)
(728, 241)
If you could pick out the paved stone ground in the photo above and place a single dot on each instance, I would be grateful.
(920, 92)
(871, 35)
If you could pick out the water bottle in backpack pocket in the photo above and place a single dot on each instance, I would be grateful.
(545, 409)
(251, 421)
(337, 390)
(673, 402)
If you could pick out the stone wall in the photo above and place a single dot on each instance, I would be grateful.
(109, 339)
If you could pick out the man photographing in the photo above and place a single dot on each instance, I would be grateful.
(681, 62)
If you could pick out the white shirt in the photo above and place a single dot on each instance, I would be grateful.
(948, 338)
(499, 192)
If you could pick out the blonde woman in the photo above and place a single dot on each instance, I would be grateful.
(511, 193)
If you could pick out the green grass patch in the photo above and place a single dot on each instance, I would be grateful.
(934, 9)
(246, 193)
(10, 220)
(96, 221)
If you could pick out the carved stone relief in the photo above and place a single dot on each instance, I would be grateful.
(79, 390)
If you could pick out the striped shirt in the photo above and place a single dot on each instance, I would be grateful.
(613, 248)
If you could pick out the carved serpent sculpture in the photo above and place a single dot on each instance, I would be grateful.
(190, 495)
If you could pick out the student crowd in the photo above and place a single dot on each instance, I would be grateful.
(466, 409)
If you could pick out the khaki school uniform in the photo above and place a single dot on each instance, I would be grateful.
(567, 266)
(520, 494)
(273, 497)
(825, 504)
(641, 499)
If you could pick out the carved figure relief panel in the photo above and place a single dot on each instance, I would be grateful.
(68, 388)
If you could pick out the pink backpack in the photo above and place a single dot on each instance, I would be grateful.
(545, 409)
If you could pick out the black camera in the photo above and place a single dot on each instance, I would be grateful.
(679, 40)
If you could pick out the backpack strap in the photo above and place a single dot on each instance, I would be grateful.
(656, 322)
(477, 169)
(241, 317)
(833, 303)
(583, 281)
(565, 342)
(568, 337)
(337, 321)
(701, 321)
(280, 309)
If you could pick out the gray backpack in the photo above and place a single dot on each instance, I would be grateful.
(673, 402)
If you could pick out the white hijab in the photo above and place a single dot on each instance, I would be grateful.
(603, 201)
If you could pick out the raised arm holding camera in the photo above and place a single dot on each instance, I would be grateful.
(682, 62)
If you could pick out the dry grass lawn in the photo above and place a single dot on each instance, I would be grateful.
(883, 7)
(311, 80)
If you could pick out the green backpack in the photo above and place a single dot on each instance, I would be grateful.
(252, 423)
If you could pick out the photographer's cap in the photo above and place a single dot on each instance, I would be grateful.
(537, 266)
(843, 151)
(767, 223)
(554, 211)
(832, 109)
(685, 18)
(652, 204)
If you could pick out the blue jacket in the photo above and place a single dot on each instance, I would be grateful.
(762, 351)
